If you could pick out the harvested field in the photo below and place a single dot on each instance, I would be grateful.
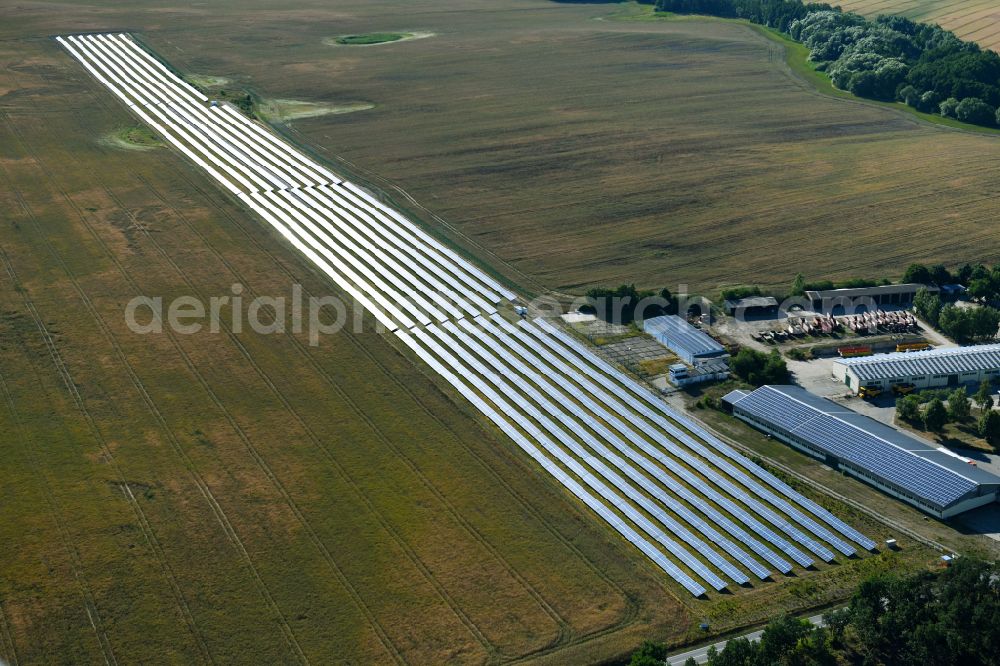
(211, 497)
(214, 497)
(569, 152)
(975, 21)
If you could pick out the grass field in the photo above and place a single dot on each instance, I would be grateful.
(569, 151)
(975, 21)
(224, 498)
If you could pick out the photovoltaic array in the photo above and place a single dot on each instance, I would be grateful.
(706, 515)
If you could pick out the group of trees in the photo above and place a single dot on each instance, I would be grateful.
(958, 323)
(935, 414)
(757, 368)
(800, 286)
(625, 304)
(889, 58)
(736, 293)
(778, 14)
(982, 283)
(950, 618)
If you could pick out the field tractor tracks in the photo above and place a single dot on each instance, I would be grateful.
(89, 603)
(125, 487)
(231, 533)
(7, 642)
(251, 449)
(632, 611)
(324, 450)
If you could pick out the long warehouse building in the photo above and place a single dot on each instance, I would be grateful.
(931, 479)
(924, 369)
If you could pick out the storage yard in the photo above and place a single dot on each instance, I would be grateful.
(877, 322)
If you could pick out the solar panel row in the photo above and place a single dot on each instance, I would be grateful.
(666, 435)
(572, 416)
(657, 409)
(691, 504)
(343, 229)
(592, 415)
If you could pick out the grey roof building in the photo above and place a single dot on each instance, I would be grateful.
(895, 462)
(752, 306)
(860, 299)
(690, 344)
(933, 367)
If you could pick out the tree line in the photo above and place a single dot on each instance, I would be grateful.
(890, 58)
(982, 283)
(973, 324)
(624, 304)
(944, 618)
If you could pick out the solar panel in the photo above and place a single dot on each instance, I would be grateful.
(530, 413)
(491, 335)
(388, 271)
(732, 490)
(761, 492)
(648, 549)
(564, 407)
(713, 441)
(552, 449)
(358, 293)
(405, 277)
(843, 435)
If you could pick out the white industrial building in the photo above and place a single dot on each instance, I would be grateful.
(925, 369)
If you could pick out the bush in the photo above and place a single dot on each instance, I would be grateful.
(626, 303)
(959, 407)
(908, 408)
(984, 396)
(909, 96)
(929, 101)
(736, 293)
(948, 107)
(649, 654)
(989, 428)
(758, 368)
(946, 618)
(976, 111)
(935, 415)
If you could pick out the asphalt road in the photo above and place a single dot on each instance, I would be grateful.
(700, 655)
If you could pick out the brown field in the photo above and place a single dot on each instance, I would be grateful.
(228, 498)
(231, 499)
(977, 21)
(568, 151)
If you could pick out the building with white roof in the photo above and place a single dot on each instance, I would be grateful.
(924, 369)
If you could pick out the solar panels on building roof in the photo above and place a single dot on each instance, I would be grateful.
(911, 465)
